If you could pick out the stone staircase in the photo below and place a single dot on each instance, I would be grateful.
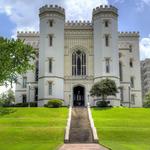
(80, 137)
(80, 130)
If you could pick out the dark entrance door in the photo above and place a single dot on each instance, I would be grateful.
(78, 96)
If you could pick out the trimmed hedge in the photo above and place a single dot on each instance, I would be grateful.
(54, 103)
(102, 103)
(32, 104)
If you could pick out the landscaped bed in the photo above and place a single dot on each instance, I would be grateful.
(123, 128)
(32, 128)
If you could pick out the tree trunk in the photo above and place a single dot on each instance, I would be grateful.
(103, 97)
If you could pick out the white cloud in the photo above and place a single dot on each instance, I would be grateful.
(146, 1)
(82, 9)
(145, 48)
(141, 4)
(24, 13)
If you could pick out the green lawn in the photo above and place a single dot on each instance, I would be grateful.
(32, 128)
(123, 128)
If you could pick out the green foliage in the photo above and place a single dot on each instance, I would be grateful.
(104, 88)
(147, 100)
(7, 99)
(4, 111)
(102, 104)
(32, 104)
(123, 128)
(54, 103)
(15, 57)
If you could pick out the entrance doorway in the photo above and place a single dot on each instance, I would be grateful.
(78, 96)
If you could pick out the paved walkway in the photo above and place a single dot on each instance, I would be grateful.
(82, 147)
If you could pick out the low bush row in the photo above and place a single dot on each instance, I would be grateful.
(32, 104)
(54, 103)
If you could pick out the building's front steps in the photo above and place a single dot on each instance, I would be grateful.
(81, 136)
(82, 147)
(80, 130)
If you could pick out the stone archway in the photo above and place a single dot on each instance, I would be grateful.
(78, 96)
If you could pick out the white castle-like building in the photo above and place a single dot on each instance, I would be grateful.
(73, 55)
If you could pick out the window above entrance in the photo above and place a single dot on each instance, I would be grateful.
(78, 63)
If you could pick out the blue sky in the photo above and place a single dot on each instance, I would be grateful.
(17, 15)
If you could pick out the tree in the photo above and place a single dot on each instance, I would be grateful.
(104, 88)
(7, 98)
(15, 57)
(147, 100)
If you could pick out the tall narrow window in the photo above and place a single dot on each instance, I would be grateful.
(132, 98)
(106, 23)
(36, 71)
(131, 63)
(78, 63)
(107, 65)
(50, 65)
(132, 82)
(24, 84)
(51, 40)
(130, 48)
(50, 88)
(24, 98)
(51, 23)
(120, 71)
(106, 40)
(36, 94)
(121, 93)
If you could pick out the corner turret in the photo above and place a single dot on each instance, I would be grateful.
(51, 53)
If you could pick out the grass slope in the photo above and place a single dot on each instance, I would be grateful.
(32, 128)
(123, 128)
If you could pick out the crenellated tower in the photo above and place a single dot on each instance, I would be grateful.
(51, 53)
(106, 59)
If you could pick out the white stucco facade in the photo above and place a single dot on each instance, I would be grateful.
(73, 55)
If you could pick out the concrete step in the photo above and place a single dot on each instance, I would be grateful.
(82, 147)
(81, 135)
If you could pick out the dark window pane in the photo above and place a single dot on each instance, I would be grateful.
(24, 98)
(50, 88)
(107, 65)
(36, 71)
(50, 65)
(24, 84)
(106, 23)
(50, 40)
(120, 71)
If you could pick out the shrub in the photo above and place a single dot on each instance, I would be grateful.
(45, 105)
(147, 100)
(54, 103)
(32, 104)
(146, 104)
(102, 103)
(21, 105)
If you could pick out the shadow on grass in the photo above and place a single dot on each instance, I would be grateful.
(101, 108)
(6, 111)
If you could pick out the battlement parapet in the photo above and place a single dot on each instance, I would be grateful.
(129, 34)
(52, 8)
(78, 23)
(105, 8)
(27, 33)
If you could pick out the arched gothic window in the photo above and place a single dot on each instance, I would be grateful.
(78, 63)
